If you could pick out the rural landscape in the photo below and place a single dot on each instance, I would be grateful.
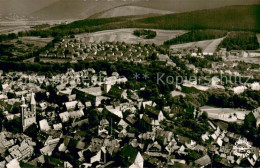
(129, 83)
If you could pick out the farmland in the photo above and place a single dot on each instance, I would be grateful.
(127, 36)
(37, 41)
(196, 35)
(205, 45)
(22, 48)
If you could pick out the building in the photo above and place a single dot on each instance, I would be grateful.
(28, 115)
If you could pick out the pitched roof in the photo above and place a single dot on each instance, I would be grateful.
(203, 161)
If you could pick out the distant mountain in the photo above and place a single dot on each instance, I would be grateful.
(81, 9)
(232, 18)
(76, 9)
(129, 10)
(191, 5)
(23, 7)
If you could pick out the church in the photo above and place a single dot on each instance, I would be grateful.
(28, 114)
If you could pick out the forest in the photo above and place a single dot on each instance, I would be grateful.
(197, 35)
(147, 34)
(240, 41)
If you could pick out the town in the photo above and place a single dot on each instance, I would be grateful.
(91, 119)
(129, 83)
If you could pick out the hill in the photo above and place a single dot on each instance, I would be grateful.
(75, 9)
(226, 18)
(129, 11)
(22, 7)
(191, 5)
(82, 9)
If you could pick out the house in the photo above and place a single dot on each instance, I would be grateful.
(57, 126)
(76, 114)
(44, 126)
(138, 162)
(154, 147)
(87, 94)
(13, 163)
(255, 86)
(145, 123)
(203, 161)
(130, 157)
(64, 116)
(116, 111)
(71, 105)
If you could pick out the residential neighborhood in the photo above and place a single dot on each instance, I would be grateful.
(129, 83)
(96, 122)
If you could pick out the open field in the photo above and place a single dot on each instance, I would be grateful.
(50, 60)
(126, 35)
(37, 41)
(206, 45)
(7, 27)
(212, 47)
(13, 29)
(130, 11)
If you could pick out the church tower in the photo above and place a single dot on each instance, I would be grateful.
(28, 115)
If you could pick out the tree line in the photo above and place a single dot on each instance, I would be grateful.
(196, 35)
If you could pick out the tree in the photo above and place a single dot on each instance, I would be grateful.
(154, 56)
(1, 87)
(37, 59)
(250, 121)
(204, 116)
(11, 95)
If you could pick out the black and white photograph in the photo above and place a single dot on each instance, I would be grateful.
(129, 83)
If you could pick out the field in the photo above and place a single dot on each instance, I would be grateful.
(206, 45)
(197, 35)
(37, 41)
(7, 27)
(50, 60)
(22, 48)
(127, 36)
(212, 47)
(129, 11)
(13, 29)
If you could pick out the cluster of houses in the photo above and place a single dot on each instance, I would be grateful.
(100, 124)
(77, 49)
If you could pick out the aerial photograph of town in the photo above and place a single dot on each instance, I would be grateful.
(129, 83)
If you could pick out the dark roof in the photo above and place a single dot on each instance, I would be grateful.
(151, 110)
(146, 119)
(128, 155)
